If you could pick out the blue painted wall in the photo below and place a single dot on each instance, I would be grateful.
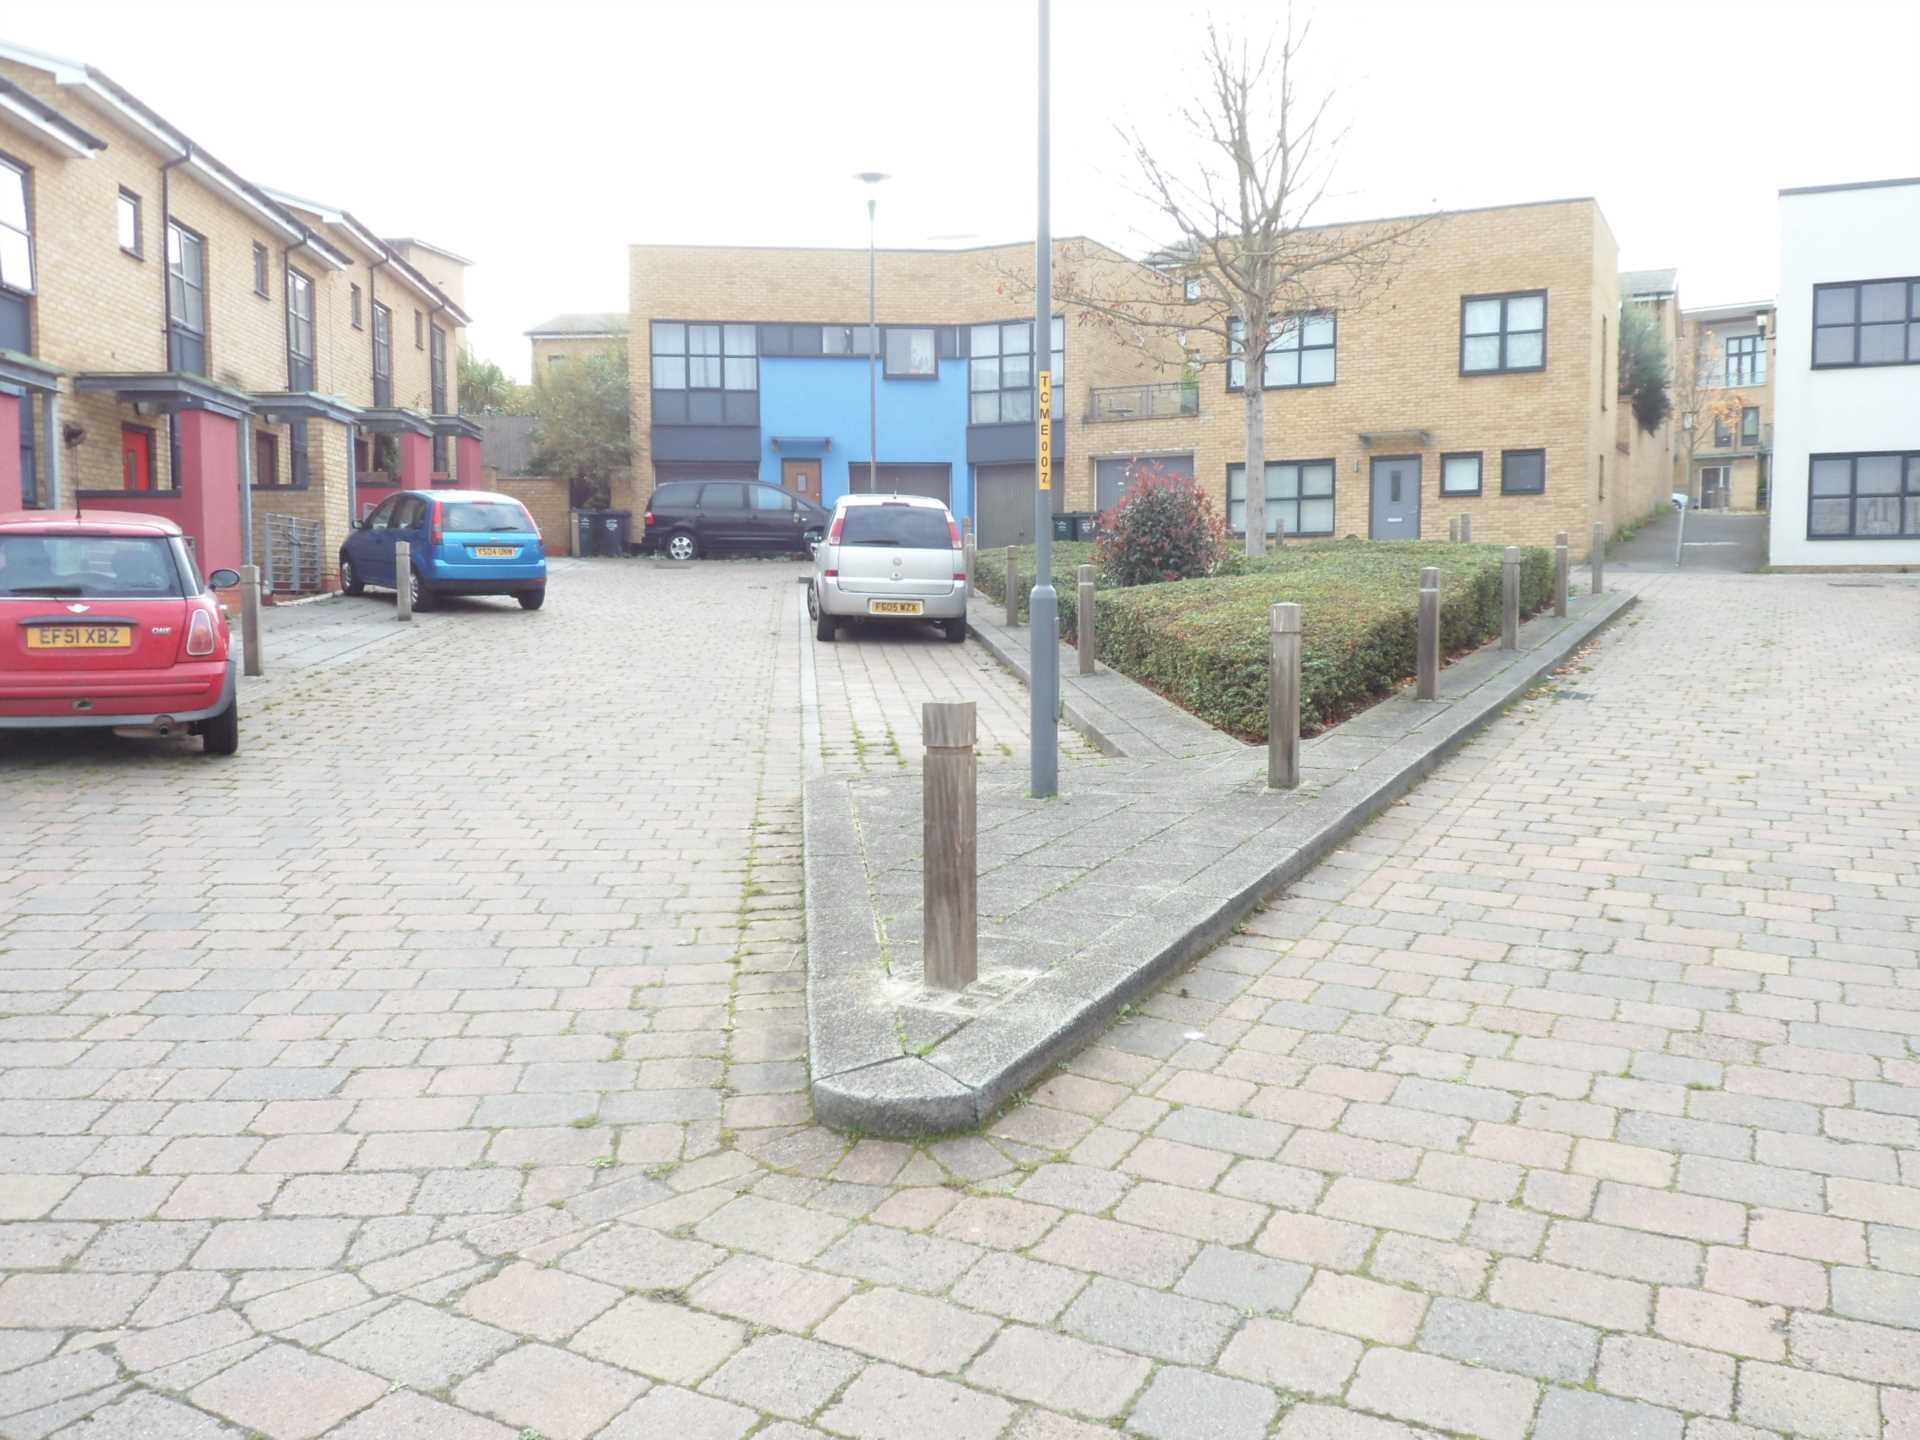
(922, 422)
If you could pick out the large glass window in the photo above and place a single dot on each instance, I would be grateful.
(911, 353)
(16, 234)
(704, 357)
(1299, 497)
(1864, 497)
(1875, 322)
(1503, 332)
(1000, 370)
(1750, 425)
(382, 357)
(1300, 352)
(299, 331)
(437, 382)
(1746, 360)
(186, 300)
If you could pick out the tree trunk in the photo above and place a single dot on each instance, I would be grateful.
(1256, 471)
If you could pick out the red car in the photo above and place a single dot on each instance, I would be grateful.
(104, 622)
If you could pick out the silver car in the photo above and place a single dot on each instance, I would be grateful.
(890, 557)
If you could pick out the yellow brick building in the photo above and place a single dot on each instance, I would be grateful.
(1481, 382)
(566, 339)
(1728, 350)
(177, 339)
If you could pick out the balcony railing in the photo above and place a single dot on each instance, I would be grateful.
(1143, 402)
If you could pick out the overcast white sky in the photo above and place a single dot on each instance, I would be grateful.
(540, 139)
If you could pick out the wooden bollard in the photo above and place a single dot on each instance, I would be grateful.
(403, 581)
(1598, 557)
(1283, 699)
(1466, 529)
(1429, 638)
(255, 662)
(1453, 530)
(950, 882)
(1083, 619)
(1510, 598)
(1013, 589)
(1560, 575)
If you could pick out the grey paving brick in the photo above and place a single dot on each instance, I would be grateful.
(661, 1340)
(1578, 1415)
(1168, 1327)
(549, 1391)
(886, 1403)
(1249, 1283)
(908, 1329)
(1515, 1340)
(1696, 1381)
(1195, 1405)
(1292, 1357)
(1059, 1372)
(1801, 1401)
(419, 1345)
(784, 1375)
(1023, 1289)
(287, 1393)
(1427, 1390)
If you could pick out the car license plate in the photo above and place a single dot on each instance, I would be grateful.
(79, 637)
(893, 607)
(493, 552)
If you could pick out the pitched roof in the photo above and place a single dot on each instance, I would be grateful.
(583, 322)
(1648, 282)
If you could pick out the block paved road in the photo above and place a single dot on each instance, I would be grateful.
(433, 1069)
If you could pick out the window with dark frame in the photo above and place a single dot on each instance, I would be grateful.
(1300, 354)
(1191, 290)
(704, 356)
(909, 352)
(1750, 425)
(1460, 474)
(1502, 333)
(126, 216)
(437, 389)
(300, 370)
(1870, 496)
(1722, 432)
(16, 232)
(1746, 360)
(1868, 322)
(186, 300)
(845, 340)
(353, 298)
(382, 357)
(1300, 497)
(266, 460)
(1000, 370)
(260, 270)
(1523, 472)
(297, 472)
(29, 477)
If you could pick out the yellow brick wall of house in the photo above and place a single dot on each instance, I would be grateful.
(546, 500)
(1648, 460)
(1398, 358)
(549, 349)
(1708, 340)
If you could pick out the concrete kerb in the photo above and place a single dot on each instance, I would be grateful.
(861, 1078)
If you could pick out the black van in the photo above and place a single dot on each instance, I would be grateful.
(689, 518)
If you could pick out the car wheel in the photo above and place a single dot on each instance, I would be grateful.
(532, 599)
(421, 591)
(682, 546)
(350, 581)
(956, 631)
(221, 734)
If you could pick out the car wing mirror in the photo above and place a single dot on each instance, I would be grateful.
(224, 579)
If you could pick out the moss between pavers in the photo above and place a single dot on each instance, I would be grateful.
(1204, 643)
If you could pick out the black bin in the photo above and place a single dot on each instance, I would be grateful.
(613, 528)
(1063, 527)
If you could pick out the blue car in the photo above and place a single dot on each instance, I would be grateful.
(461, 542)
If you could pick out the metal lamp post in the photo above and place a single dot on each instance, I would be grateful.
(1043, 607)
(871, 178)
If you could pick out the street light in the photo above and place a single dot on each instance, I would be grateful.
(1043, 606)
(871, 179)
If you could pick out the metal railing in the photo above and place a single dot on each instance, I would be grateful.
(293, 555)
(1143, 402)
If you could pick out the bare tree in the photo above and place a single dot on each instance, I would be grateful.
(1700, 400)
(1248, 260)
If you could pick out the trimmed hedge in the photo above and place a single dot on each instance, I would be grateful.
(1204, 645)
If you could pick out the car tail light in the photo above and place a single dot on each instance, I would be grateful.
(832, 574)
(839, 524)
(953, 532)
(200, 636)
(439, 523)
(647, 519)
(958, 576)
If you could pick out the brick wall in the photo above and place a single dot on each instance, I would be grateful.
(1398, 358)
(567, 349)
(546, 501)
(1704, 341)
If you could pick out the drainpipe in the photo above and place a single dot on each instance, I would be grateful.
(166, 272)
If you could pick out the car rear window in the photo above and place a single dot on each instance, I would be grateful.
(672, 497)
(910, 527)
(488, 515)
(108, 566)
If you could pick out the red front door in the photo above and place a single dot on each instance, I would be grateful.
(136, 458)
